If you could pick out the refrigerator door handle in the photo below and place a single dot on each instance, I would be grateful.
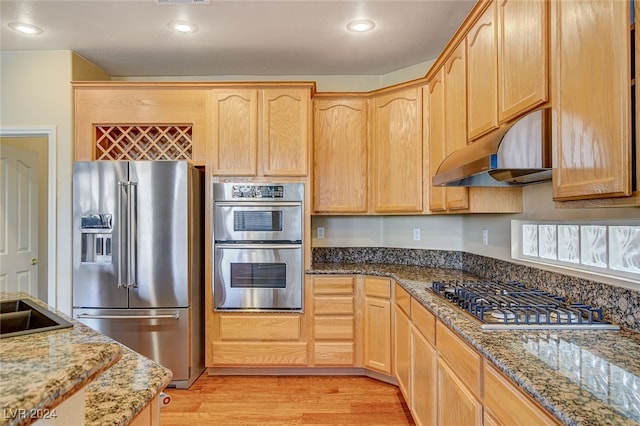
(175, 315)
(122, 230)
(127, 235)
(132, 215)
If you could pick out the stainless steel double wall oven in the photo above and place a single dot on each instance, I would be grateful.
(258, 246)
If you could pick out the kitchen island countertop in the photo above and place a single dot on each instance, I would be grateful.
(40, 371)
(583, 377)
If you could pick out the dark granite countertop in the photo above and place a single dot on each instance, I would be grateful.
(583, 377)
(42, 370)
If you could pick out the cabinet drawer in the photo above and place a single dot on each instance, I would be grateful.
(508, 404)
(333, 305)
(377, 287)
(259, 327)
(464, 360)
(333, 285)
(335, 353)
(247, 354)
(403, 299)
(333, 328)
(423, 320)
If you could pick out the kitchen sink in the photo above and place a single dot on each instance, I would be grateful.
(22, 316)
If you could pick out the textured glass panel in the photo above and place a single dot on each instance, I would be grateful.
(593, 245)
(569, 243)
(548, 243)
(530, 240)
(624, 248)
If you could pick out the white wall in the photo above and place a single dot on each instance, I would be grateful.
(36, 90)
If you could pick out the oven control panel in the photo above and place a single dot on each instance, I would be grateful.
(258, 191)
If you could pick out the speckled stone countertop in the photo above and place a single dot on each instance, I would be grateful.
(41, 370)
(584, 377)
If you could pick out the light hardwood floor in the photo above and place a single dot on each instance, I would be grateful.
(286, 400)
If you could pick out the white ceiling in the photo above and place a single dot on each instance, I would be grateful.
(131, 37)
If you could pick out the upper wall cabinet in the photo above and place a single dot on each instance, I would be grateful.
(260, 132)
(234, 124)
(482, 74)
(446, 118)
(592, 104)
(127, 121)
(397, 173)
(340, 154)
(523, 40)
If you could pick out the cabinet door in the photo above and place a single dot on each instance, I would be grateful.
(456, 404)
(437, 150)
(397, 149)
(377, 334)
(523, 55)
(592, 121)
(455, 107)
(482, 74)
(285, 131)
(402, 352)
(340, 150)
(508, 405)
(234, 132)
(423, 380)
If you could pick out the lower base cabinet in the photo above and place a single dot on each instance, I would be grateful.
(456, 405)
(423, 379)
(507, 405)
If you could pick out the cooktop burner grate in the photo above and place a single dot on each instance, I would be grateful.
(513, 306)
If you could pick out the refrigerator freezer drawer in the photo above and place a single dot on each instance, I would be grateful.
(159, 334)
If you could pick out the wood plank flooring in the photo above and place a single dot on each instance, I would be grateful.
(286, 400)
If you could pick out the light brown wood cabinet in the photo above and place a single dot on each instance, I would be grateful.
(482, 74)
(334, 321)
(507, 405)
(377, 324)
(446, 117)
(397, 166)
(256, 340)
(456, 404)
(136, 121)
(592, 104)
(523, 56)
(340, 154)
(455, 127)
(260, 132)
(402, 342)
(424, 369)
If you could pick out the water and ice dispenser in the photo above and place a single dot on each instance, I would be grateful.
(96, 232)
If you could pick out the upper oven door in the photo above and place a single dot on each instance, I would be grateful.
(257, 221)
(258, 277)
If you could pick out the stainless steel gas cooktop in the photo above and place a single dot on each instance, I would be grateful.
(502, 306)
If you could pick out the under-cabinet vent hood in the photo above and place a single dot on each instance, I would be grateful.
(516, 154)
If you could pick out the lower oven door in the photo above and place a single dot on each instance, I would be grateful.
(252, 277)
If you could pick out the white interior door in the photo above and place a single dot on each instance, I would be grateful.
(18, 220)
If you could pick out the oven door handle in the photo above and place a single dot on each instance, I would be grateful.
(266, 246)
(258, 203)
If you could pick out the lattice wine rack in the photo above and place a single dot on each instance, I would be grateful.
(144, 142)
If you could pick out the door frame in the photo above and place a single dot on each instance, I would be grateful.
(48, 132)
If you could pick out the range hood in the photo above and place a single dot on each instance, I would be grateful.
(514, 155)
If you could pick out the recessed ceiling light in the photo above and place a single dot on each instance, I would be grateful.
(361, 25)
(23, 28)
(183, 26)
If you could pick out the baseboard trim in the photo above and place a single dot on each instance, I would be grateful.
(276, 371)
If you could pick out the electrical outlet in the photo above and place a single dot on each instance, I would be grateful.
(485, 237)
(320, 232)
(416, 234)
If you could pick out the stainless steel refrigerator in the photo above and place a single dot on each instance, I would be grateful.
(137, 259)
